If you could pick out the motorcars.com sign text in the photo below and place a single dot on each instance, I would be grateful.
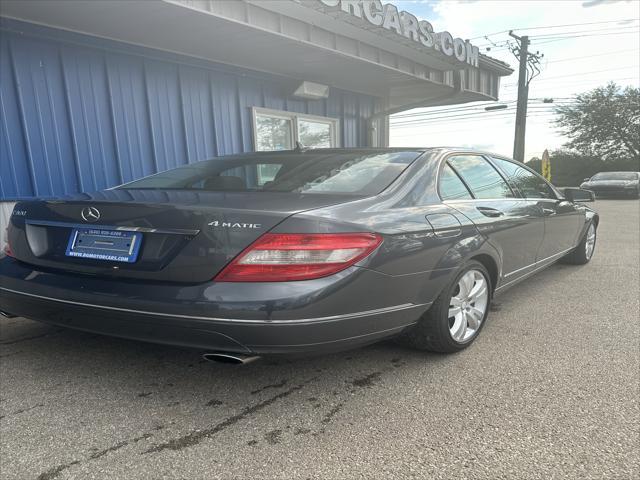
(407, 25)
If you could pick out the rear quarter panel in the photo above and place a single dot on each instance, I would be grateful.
(425, 242)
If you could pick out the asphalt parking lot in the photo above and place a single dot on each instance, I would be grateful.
(550, 390)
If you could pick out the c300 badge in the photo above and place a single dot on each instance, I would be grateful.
(219, 224)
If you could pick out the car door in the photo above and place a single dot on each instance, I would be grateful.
(562, 219)
(513, 226)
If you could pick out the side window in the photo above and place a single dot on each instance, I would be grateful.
(484, 181)
(530, 184)
(451, 187)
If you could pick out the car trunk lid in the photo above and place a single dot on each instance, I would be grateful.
(185, 236)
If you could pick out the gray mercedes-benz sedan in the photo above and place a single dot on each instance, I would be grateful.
(295, 252)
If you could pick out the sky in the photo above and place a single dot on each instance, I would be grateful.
(597, 53)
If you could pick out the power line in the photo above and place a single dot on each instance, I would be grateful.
(570, 84)
(474, 108)
(507, 106)
(507, 45)
(570, 59)
(597, 32)
(556, 26)
(472, 114)
(542, 35)
(448, 110)
(456, 109)
(554, 39)
(508, 103)
(468, 116)
(569, 37)
(581, 73)
(504, 122)
(459, 124)
(635, 67)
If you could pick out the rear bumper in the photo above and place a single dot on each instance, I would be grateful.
(319, 335)
(200, 317)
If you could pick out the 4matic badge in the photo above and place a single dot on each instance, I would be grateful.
(217, 223)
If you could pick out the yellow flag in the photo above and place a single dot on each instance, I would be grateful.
(546, 165)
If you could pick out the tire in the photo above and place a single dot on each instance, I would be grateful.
(433, 332)
(581, 254)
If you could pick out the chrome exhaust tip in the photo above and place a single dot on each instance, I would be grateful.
(6, 315)
(230, 358)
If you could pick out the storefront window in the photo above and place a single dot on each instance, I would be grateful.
(314, 134)
(273, 133)
(275, 130)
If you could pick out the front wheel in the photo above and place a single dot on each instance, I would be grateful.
(455, 319)
(584, 251)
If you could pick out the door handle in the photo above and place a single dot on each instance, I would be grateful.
(548, 211)
(490, 212)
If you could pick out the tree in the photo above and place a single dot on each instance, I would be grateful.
(603, 122)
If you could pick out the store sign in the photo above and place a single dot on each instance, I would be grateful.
(407, 25)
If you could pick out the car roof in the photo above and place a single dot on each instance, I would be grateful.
(316, 151)
(356, 150)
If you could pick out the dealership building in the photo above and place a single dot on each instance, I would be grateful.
(98, 93)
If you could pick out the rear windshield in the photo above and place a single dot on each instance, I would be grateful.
(615, 176)
(312, 172)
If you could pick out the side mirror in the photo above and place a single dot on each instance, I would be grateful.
(579, 195)
(586, 179)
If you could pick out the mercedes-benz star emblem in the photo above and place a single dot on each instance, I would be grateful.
(90, 214)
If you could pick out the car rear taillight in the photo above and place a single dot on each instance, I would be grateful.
(292, 256)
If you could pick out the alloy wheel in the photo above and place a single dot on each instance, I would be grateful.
(468, 306)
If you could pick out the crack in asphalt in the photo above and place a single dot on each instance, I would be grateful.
(273, 437)
(267, 387)
(57, 470)
(18, 412)
(197, 436)
(363, 382)
(367, 380)
(118, 446)
(331, 413)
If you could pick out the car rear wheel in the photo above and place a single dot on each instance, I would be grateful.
(584, 251)
(455, 319)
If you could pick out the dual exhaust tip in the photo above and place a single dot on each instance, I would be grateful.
(230, 358)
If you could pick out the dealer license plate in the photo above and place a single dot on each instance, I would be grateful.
(107, 245)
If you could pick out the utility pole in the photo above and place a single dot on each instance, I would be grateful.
(523, 98)
(528, 69)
